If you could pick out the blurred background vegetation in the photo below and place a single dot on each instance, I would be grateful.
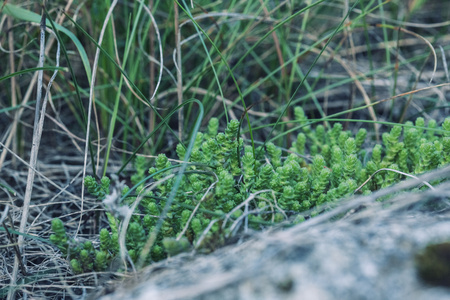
(269, 47)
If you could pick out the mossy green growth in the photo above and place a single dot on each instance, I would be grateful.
(225, 185)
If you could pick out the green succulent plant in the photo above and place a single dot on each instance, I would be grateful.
(225, 184)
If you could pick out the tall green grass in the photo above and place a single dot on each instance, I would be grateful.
(269, 50)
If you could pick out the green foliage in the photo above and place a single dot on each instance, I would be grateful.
(218, 180)
(99, 190)
(59, 236)
(83, 256)
(174, 246)
(140, 165)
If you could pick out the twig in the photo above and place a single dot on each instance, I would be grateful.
(14, 242)
(33, 158)
(392, 170)
(91, 100)
(37, 134)
(197, 206)
(179, 73)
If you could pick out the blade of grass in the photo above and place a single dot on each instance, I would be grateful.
(26, 15)
(144, 141)
(76, 86)
(216, 78)
(234, 80)
(31, 70)
(329, 117)
(135, 88)
(152, 238)
(338, 28)
(128, 43)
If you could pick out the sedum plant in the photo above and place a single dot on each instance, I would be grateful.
(82, 255)
(226, 185)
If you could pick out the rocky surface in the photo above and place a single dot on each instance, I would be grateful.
(362, 249)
